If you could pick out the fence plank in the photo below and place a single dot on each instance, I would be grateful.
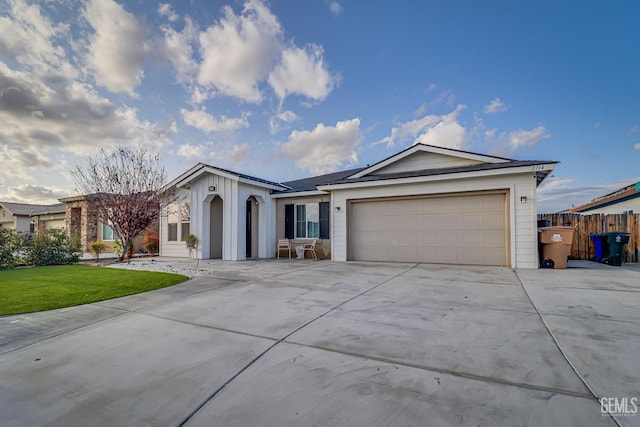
(582, 247)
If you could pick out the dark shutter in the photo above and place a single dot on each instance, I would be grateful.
(288, 221)
(324, 220)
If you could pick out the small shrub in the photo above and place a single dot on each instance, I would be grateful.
(51, 247)
(97, 248)
(12, 245)
(117, 248)
(151, 242)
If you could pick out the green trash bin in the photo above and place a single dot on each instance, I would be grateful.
(615, 242)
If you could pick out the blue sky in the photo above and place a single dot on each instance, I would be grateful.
(284, 89)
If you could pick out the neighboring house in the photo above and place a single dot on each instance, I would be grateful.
(424, 204)
(17, 216)
(51, 217)
(624, 200)
(82, 224)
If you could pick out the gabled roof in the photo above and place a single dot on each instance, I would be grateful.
(622, 195)
(51, 209)
(202, 168)
(541, 173)
(25, 209)
(475, 157)
(311, 183)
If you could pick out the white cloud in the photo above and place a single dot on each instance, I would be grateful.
(444, 131)
(165, 9)
(325, 148)
(637, 146)
(633, 130)
(16, 162)
(204, 121)
(239, 51)
(335, 7)
(527, 138)
(447, 132)
(284, 118)
(495, 106)
(73, 118)
(239, 153)
(28, 193)
(302, 71)
(178, 49)
(118, 47)
(29, 38)
(192, 152)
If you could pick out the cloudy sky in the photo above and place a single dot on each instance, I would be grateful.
(283, 89)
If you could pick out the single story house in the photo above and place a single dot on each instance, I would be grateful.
(18, 216)
(424, 204)
(624, 200)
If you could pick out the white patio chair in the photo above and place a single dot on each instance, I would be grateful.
(283, 245)
(310, 247)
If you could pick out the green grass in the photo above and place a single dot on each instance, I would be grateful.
(26, 290)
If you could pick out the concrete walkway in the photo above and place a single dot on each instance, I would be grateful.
(276, 343)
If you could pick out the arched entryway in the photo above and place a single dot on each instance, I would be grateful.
(251, 227)
(215, 228)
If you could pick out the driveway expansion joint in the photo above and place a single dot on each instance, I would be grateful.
(259, 356)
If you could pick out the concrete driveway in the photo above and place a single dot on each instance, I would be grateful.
(276, 343)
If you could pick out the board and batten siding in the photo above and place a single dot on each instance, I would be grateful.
(423, 161)
(167, 248)
(234, 195)
(521, 217)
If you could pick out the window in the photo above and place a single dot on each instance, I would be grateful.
(172, 223)
(107, 232)
(185, 221)
(307, 221)
(178, 221)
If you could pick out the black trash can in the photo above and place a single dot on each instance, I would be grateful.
(615, 242)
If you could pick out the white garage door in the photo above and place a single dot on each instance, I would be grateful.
(460, 229)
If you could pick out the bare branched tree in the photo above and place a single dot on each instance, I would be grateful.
(123, 188)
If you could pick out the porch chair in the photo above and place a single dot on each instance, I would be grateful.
(310, 247)
(283, 245)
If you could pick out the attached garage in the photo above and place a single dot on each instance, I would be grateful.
(438, 205)
(468, 228)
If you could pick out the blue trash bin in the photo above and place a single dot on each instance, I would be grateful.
(599, 243)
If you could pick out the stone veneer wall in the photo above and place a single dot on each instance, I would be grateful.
(85, 225)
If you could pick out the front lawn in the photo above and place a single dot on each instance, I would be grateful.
(26, 290)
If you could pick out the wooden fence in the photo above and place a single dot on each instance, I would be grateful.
(582, 247)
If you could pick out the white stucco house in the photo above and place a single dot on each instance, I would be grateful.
(424, 204)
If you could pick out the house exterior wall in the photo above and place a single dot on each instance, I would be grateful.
(323, 246)
(7, 219)
(521, 216)
(167, 248)
(83, 227)
(234, 195)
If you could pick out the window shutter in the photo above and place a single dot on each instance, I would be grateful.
(324, 220)
(288, 221)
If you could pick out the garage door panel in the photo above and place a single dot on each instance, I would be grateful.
(461, 229)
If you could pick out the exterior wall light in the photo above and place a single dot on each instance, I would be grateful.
(523, 199)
